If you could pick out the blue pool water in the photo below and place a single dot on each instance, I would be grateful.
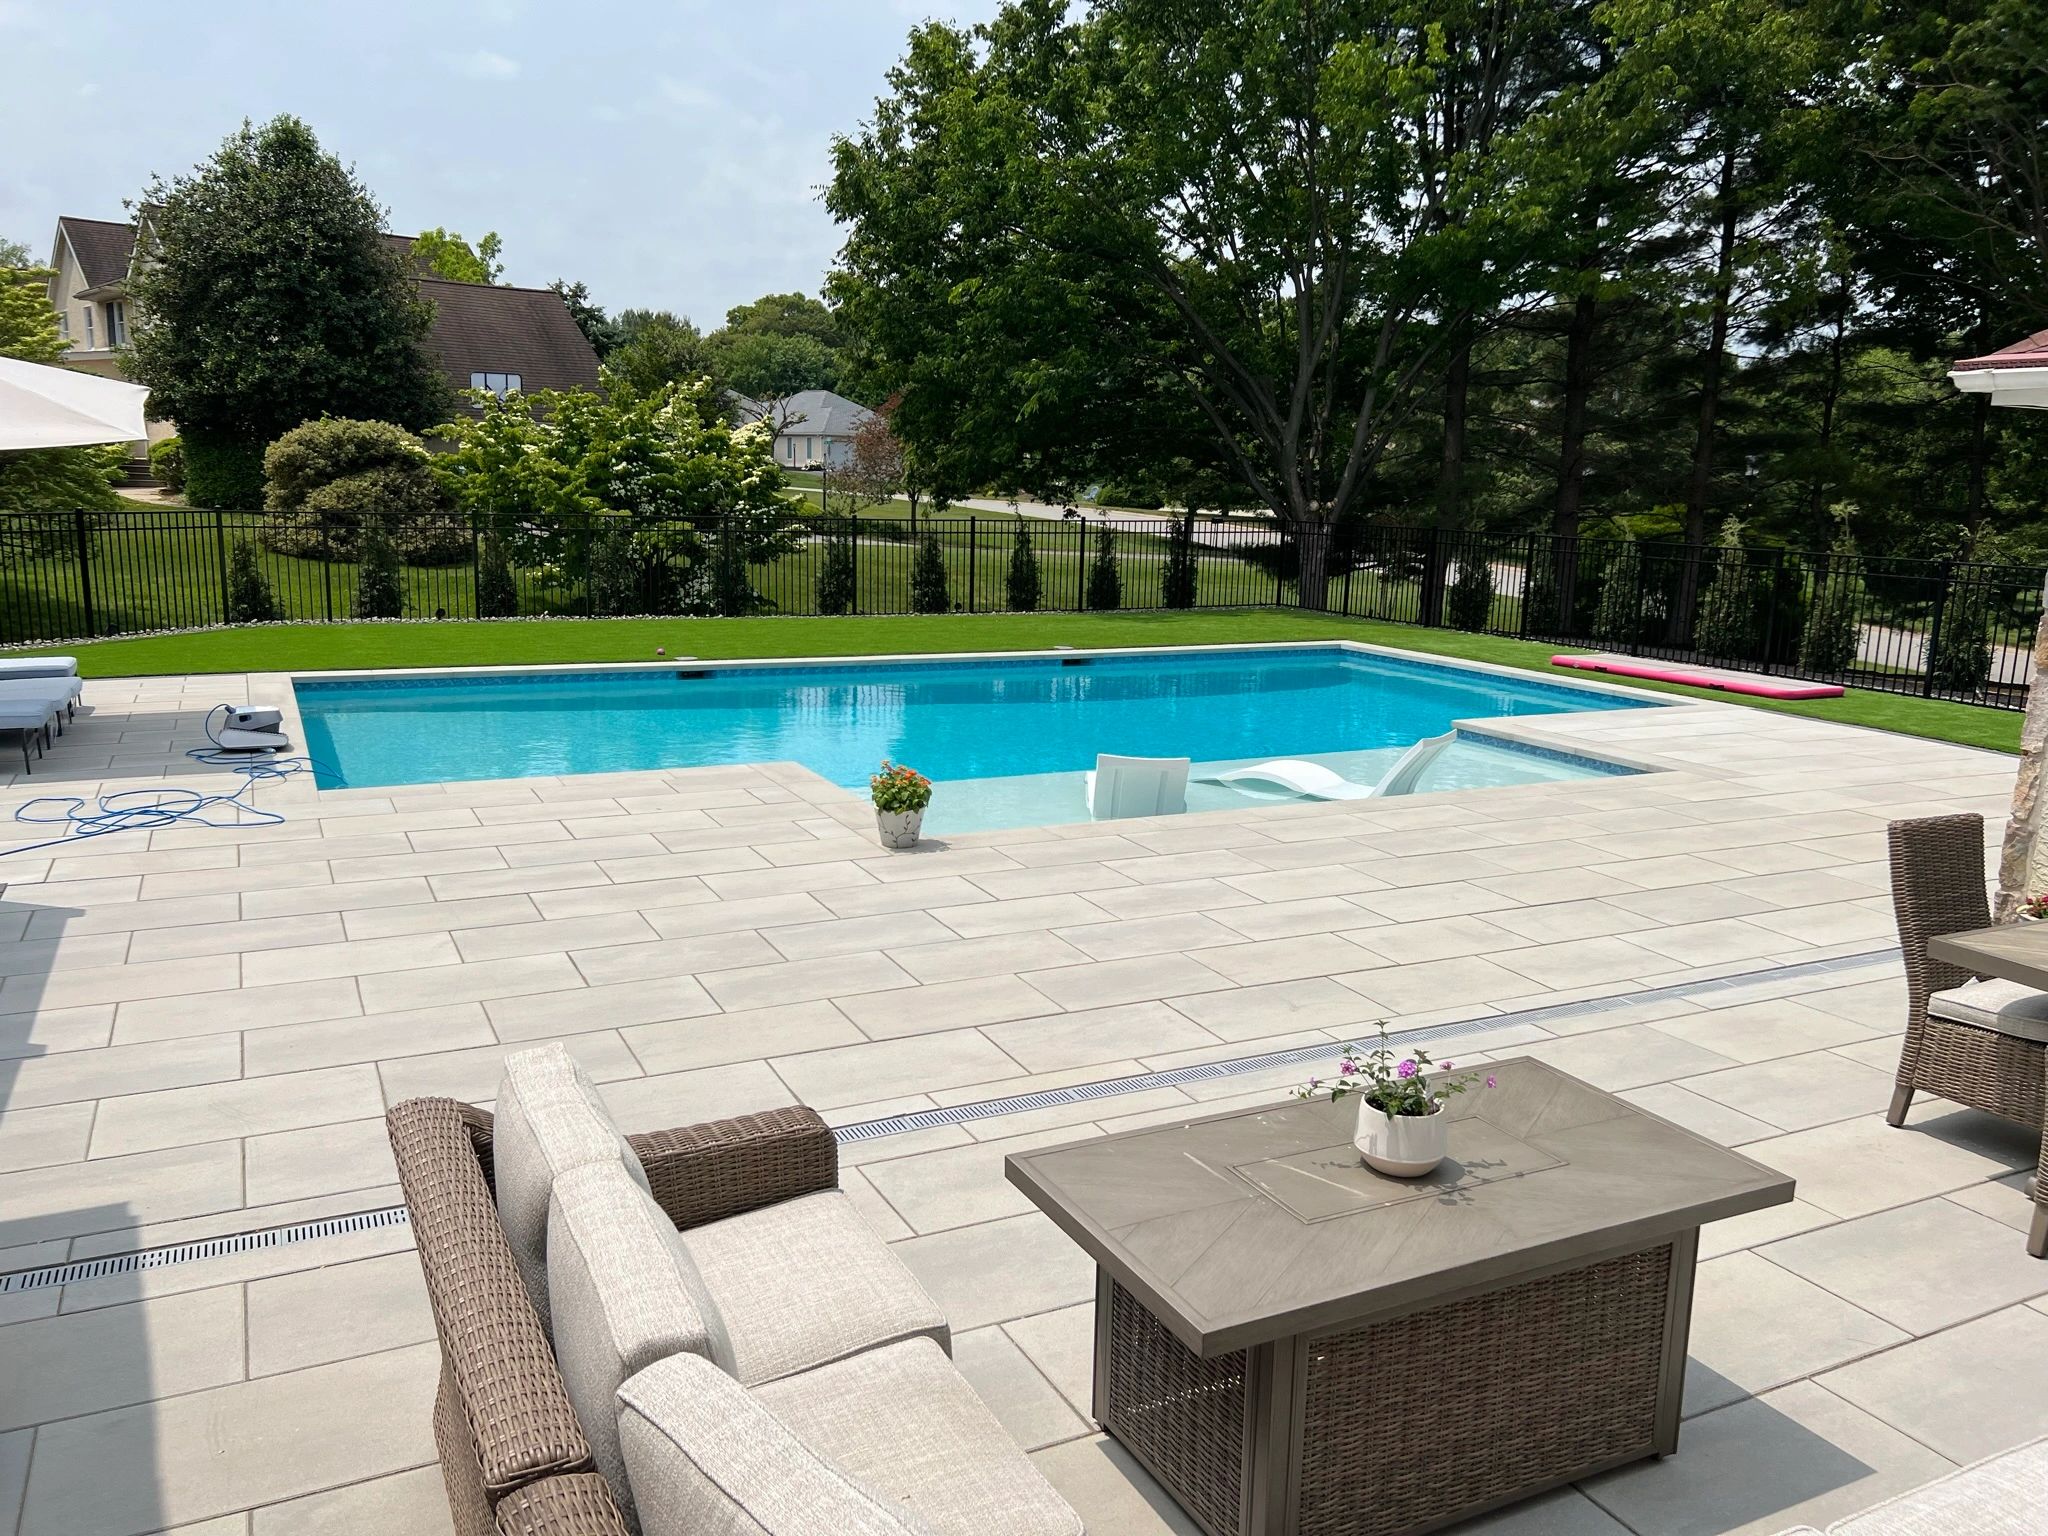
(1010, 719)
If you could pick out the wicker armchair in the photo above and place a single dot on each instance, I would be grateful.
(1938, 887)
(512, 1453)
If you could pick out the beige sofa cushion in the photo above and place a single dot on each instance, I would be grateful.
(805, 1282)
(903, 1422)
(548, 1120)
(624, 1295)
(2004, 1006)
(2006, 1495)
(705, 1459)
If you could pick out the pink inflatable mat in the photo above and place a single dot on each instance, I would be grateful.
(1700, 677)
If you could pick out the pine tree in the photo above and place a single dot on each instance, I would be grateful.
(1105, 586)
(1022, 583)
(380, 586)
(836, 575)
(1471, 596)
(1177, 586)
(928, 592)
(1828, 642)
(250, 600)
(1727, 614)
(1619, 618)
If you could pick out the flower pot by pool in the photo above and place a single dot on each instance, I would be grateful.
(899, 829)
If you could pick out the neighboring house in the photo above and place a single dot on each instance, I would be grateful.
(484, 336)
(813, 428)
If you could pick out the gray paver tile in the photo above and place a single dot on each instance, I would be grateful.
(1023, 1401)
(1922, 1266)
(134, 1470)
(1716, 1121)
(1756, 1326)
(999, 1269)
(216, 1013)
(318, 1160)
(73, 1076)
(1798, 1091)
(472, 1075)
(1399, 989)
(1104, 983)
(414, 1502)
(1251, 1013)
(1967, 1392)
(1751, 1032)
(1110, 1491)
(798, 981)
(552, 936)
(1004, 954)
(1628, 1057)
(1097, 1035)
(36, 1138)
(685, 1098)
(353, 957)
(481, 982)
(945, 1005)
(337, 1312)
(1854, 1167)
(58, 1367)
(339, 1042)
(172, 1117)
(851, 1074)
(1799, 1455)
(537, 1015)
(716, 1038)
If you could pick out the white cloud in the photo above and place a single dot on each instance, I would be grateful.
(485, 65)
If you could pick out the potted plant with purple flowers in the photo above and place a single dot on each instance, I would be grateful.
(1402, 1129)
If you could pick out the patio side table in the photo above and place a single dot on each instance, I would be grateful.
(1294, 1345)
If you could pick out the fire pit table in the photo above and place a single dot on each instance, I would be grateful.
(1294, 1345)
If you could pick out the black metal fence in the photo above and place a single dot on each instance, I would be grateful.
(1941, 629)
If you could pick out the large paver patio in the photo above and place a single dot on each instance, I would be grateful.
(202, 1029)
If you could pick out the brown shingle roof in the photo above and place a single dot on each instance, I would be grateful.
(2031, 353)
(485, 328)
(102, 246)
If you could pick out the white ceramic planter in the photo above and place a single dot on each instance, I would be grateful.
(1406, 1146)
(899, 829)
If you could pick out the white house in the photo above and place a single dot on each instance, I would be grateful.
(813, 428)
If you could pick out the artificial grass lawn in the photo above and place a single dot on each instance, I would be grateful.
(314, 647)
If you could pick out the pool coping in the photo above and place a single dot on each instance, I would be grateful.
(278, 689)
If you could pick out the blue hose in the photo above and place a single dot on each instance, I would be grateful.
(146, 810)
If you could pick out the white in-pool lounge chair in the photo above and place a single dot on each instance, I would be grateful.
(38, 666)
(1312, 781)
(1136, 786)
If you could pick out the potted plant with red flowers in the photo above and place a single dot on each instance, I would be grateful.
(1402, 1129)
(900, 795)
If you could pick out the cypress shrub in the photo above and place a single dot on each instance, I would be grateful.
(1177, 585)
(250, 600)
(1961, 661)
(1726, 623)
(928, 592)
(497, 595)
(837, 578)
(1827, 644)
(1021, 583)
(1471, 598)
(380, 586)
(1619, 618)
(1105, 585)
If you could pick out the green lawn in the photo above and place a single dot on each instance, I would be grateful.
(428, 644)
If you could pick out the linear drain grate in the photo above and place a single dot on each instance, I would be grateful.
(961, 1114)
(208, 1248)
(1303, 1055)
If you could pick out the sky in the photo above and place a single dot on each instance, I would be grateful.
(669, 155)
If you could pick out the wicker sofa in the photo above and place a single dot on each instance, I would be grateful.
(518, 1460)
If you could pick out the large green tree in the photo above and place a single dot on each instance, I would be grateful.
(266, 296)
(654, 349)
(448, 255)
(1274, 222)
(777, 346)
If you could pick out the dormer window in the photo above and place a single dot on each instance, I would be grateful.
(499, 384)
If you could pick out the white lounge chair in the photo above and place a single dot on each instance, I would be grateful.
(1137, 786)
(38, 666)
(1312, 781)
(33, 719)
(59, 692)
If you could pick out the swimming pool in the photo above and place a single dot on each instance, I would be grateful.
(963, 718)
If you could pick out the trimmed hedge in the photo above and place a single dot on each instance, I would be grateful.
(326, 476)
(223, 474)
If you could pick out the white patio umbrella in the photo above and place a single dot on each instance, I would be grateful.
(44, 407)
